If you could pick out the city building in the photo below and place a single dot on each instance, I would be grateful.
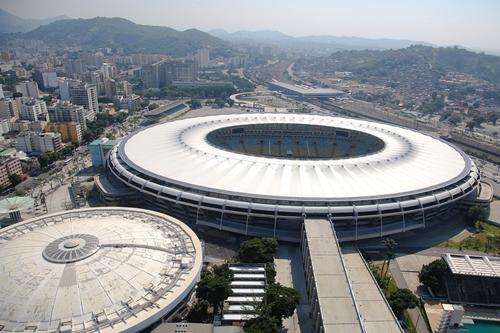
(2, 95)
(99, 150)
(32, 109)
(70, 132)
(201, 84)
(473, 279)
(86, 95)
(28, 126)
(303, 91)
(109, 70)
(111, 269)
(50, 80)
(5, 127)
(28, 89)
(148, 77)
(131, 103)
(109, 88)
(9, 108)
(202, 57)
(9, 166)
(38, 143)
(66, 112)
(180, 70)
(74, 66)
(65, 84)
(126, 88)
(261, 174)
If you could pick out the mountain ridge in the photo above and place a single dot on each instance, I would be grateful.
(10, 23)
(105, 32)
(339, 42)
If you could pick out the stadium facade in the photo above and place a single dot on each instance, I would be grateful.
(262, 174)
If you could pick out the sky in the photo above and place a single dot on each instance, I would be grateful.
(471, 23)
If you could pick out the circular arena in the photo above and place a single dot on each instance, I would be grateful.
(263, 174)
(95, 270)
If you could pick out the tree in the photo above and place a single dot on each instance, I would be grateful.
(264, 323)
(257, 250)
(454, 119)
(281, 300)
(199, 312)
(15, 179)
(389, 245)
(214, 287)
(220, 102)
(270, 273)
(153, 106)
(476, 213)
(402, 299)
(195, 103)
(433, 274)
(470, 125)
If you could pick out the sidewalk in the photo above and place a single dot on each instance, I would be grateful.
(289, 273)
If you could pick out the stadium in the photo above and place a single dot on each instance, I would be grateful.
(263, 174)
(95, 270)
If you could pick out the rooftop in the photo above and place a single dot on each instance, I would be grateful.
(409, 163)
(473, 265)
(98, 269)
(348, 296)
(306, 90)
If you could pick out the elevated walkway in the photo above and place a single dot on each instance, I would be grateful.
(344, 295)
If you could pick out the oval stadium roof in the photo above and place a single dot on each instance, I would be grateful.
(179, 152)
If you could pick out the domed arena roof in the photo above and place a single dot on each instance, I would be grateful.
(97, 269)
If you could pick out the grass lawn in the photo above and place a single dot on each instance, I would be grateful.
(486, 240)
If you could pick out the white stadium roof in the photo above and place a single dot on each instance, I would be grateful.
(409, 163)
(101, 269)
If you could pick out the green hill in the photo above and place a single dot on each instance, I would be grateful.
(101, 32)
(428, 60)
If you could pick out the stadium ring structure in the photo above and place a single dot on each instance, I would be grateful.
(95, 270)
(263, 174)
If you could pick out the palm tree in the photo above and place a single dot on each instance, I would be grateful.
(389, 245)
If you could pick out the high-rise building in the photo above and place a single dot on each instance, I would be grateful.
(9, 166)
(49, 80)
(202, 57)
(85, 95)
(1, 92)
(39, 143)
(37, 76)
(70, 132)
(74, 66)
(5, 127)
(126, 88)
(32, 109)
(148, 77)
(180, 70)
(65, 84)
(28, 89)
(9, 109)
(109, 88)
(64, 112)
(108, 70)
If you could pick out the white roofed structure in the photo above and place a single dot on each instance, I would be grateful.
(95, 270)
(285, 166)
